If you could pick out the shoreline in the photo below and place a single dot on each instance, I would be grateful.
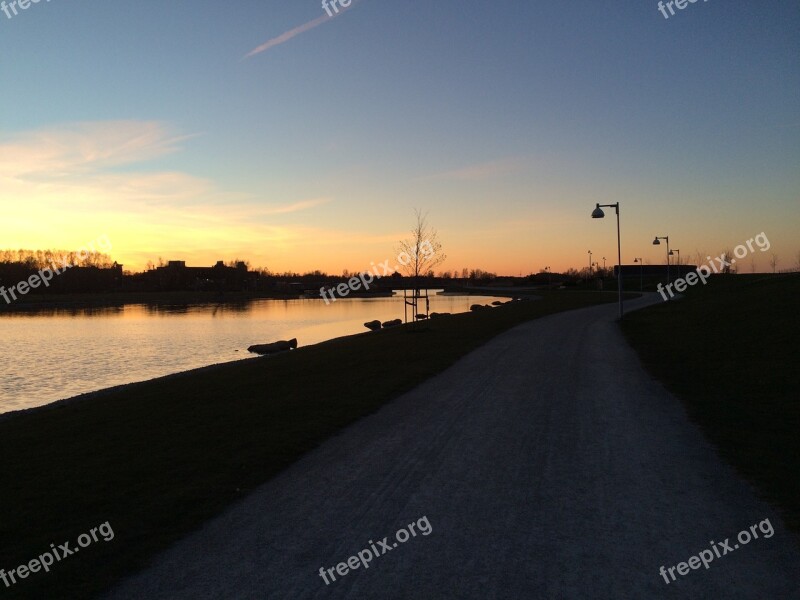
(121, 387)
(87, 301)
(117, 387)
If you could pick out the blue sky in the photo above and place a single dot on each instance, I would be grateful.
(506, 121)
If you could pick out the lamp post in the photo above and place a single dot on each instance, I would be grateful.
(604, 266)
(548, 276)
(657, 243)
(598, 213)
(590, 264)
(678, 252)
(641, 277)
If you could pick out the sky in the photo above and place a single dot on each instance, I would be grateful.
(268, 131)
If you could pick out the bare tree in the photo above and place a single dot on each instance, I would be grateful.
(726, 255)
(423, 251)
(773, 262)
(235, 263)
(418, 256)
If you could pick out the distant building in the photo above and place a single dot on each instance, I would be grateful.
(176, 276)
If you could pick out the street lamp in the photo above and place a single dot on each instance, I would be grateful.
(598, 213)
(548, 276)
(641, 277)
(678, 252)
(590, 264)
(604, 265)
(657, 243)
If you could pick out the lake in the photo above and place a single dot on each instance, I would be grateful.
(54, 354)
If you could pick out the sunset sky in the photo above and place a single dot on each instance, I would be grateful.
(268, 131)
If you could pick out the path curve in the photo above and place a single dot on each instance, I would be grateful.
(548, 465)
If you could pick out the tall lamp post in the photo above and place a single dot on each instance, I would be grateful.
(598, 213)
(548, 276)
(657, 243)
(678, 252)
(604, 266)
(641, 276)
(590, 264)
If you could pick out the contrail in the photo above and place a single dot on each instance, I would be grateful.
(285, 37)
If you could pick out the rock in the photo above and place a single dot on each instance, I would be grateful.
(498, 303)
(477, 307)
(373, 325)
(392, 323)
(421, 317)
(281, 346)
(436, 315)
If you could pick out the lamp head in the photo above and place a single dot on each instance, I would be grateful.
(656, 242)
(598, 213)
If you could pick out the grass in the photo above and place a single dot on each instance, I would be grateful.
(159, 458)
(728, 350)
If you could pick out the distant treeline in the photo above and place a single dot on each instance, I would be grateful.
(39, 259)
(65, 271)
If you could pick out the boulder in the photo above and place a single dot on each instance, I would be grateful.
(373, 325)
(436, 315)
(274, 347)
(392, 323)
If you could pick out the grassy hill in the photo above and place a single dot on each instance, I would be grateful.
(729, 351)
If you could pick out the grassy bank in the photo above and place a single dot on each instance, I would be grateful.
(159, 458)
(729, 351)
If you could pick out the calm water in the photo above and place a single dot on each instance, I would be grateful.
(55, 355)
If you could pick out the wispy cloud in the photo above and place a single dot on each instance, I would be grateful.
(297, 206)
(82, 147)
(480, 171)
(288, 35)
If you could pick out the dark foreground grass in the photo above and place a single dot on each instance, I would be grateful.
(729, 350)
(159, 458)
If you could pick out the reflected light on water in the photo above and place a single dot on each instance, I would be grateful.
(53, 354)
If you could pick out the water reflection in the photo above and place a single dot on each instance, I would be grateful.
(56, 353)
(212, 309)
(88, 311)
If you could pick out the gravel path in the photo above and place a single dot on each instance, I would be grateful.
(547, 464)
